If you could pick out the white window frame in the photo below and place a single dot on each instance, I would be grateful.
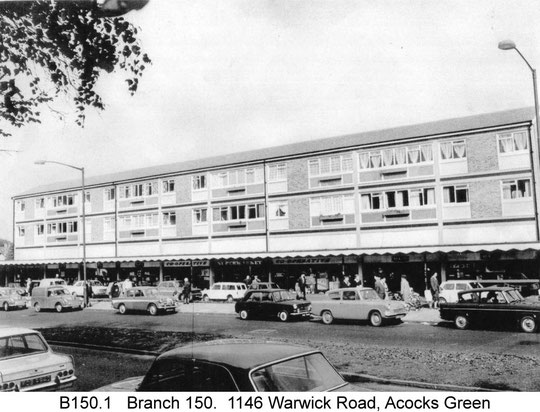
(21, 231)
(199, 214)
(20, 206)
(274, 207)
(370, 197)
(168, 186)
(109, 194)
(515, 182)
(330, 205)
(238, 177)
(453, 155)
(38, 226)
(168, 218)
(455, 188)
(277, 172)
(423, 158)
(423, 197)
(337, 164)
(199, 182)
(39, 203)
(513, 146)
(62, 201)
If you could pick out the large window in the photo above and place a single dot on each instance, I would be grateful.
(278, 210)
(238, 177)
(372, 201)
(277, 172)
(60, 201)
(138, 190)
(239, 212)
(453, 150)
(141, 221)
(200, 216)
(330, 165)
(62, 227)
(456, 194)
(512, 142)
(40, 203)
(169, 218)
(199, 182)
(398, 199)
(20, 205)
(396, 157)
(109, 194)
(332, 205)
(516, 189)
(168, 186)
(422, 197)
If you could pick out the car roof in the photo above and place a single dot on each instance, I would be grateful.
(267, 290)
(238, 353)
(10, 331)
(462, 281)
(350, 288)
(489, 288)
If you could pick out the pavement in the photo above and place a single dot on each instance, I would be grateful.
(423, 315)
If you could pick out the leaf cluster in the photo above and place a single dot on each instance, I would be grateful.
(50, 49)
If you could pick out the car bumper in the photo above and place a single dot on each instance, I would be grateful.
(394, 315)
(304, 314)
(21, 305)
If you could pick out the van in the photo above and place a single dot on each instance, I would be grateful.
(54, 297)
(449, 289)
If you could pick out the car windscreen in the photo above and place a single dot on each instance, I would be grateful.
(308, 373)
(282, 295)
(513, 296)
(19, 345)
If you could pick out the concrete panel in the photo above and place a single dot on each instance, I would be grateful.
(398, 237)
(245, 244)
(312, 241)
(185, 247)
(490, 233)
(138, 249)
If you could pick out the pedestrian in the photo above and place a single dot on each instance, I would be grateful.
(247, 281)
(346, 281)
(379, 286)
(356, 281)
(405, 289)
(434, 283)
(186, 291)
(88, 293)
(302, 282)
(255, 282)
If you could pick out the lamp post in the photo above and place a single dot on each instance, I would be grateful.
(83, 200)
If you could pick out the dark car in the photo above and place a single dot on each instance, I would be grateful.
(237, 365)
(272, 303)
(492, 305)
(263, 285)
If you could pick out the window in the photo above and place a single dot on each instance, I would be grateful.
(169, 218)
(516, 189)
(277, 172)
(422, 197)
(108, 224)
(453, 150)
(455, 194)
(109, 194)
(60, 201)
(168, 186)
(142, 221)
(396, 157)
(512, 142)
(40, 229)
(62, 227)
(40, 203)
(277, 210)
(238, 177)
(21, 230)
(330, 165)
(200, 215)
(87, 197)
(199, 182)
(20, 205)
(398, 198)
(238, 212)
(150, 188)
(372, 201)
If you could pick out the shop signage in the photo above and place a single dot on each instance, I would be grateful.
(400, 258)
(303, 261)
(186, 263)
(239, 262)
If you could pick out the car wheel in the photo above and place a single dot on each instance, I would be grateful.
(244, 314)
(58, 307)
(283, 316)
(37, 307)
(375, 318)
(152, 310)
(122, 309)
(327, 317)
(230, 299)
(528, 324)
(6, 306)
(461, 322)
(205, 298)
(442, 300)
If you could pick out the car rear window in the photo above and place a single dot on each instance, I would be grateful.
(461, 286)
(448, 286)
(21, 345)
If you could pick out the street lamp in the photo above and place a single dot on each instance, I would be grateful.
(83, 200)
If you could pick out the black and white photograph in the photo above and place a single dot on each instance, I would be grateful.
(270, 196)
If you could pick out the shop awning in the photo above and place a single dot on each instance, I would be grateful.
(534, 246)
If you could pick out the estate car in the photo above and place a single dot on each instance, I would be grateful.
(237, 365)
(229, 291)
(27, 363)
(493, 305)
(272, 303)
(144, 299)
(357, 303)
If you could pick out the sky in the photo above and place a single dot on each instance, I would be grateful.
(235, 75)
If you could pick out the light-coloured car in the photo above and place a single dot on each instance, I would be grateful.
(144, 299)
(229, 291)
(54, 297)
(357, 304)
(98, 289)
(27, 363)
(11, 298)
(449, 289)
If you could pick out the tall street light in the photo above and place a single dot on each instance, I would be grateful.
(509, 45)
(83, 200)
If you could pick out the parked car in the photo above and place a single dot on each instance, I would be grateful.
(45, 282)
(98, 289)
(229, 291)
(237, 365)
(27, 363)
(264, 285)
(449, 289)
(357, 303)
(272, 303)
(10, 298)
(54, 297)
(493, 305)
(174, 289)
(144, 299)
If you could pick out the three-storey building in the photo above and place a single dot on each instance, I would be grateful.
(455, 196)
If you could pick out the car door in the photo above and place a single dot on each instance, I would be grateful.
(335, 305)
(353, 306)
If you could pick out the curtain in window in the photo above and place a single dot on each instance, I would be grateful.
(446, 194)
(427, 153)
(527, 188)
(375, 159)
(366, 202)
(521, 141)
(459, 150)
(401, 155)
(415, 198)
(506, 145)
(388, 157)
(364, 160)
(414, 155)
(430, 196)
(446, 150)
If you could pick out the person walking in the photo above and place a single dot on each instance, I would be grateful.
(434, 283)
(302, 285)
(405, 289)
(255, 282)
(379, 287)
(186, 291)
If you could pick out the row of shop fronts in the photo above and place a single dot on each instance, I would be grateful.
(323, 271)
